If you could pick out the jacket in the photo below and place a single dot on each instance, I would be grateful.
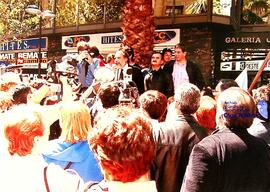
(137, 77)
(89, 70)
(193, 71)
(159, 80)
(229, 161)
(175, 141)
(82, 158)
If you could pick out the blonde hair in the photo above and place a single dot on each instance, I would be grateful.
(74, 118)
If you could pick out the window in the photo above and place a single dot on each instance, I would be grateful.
(178, 10)
(255, 12)
(222, 7)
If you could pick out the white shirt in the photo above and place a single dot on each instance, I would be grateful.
(179, 74)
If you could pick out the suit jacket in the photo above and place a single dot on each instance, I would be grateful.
(137, 77)
(193, 71)
(159, 80)
(175, 141)
(228, 161)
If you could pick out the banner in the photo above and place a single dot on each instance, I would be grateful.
(110, 42)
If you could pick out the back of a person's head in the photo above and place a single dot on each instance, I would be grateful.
(153, 103)
(109, 94)
(262, 100)
(187, 98)
(224, 84)
(207, 91)
(74, 120)
(22, 124)
(206, 114)
(93, 51)
(236, 109)
(20, 94)
(123, 143)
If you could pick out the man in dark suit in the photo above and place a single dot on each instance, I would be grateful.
(230, 159)
(175, 139)
(122, 65)
(158, 79)
(183, 70)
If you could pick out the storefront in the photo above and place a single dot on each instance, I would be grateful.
(242, 50)
(25, 52)
(110, 42)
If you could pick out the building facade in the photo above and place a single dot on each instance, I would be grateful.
(222, 36)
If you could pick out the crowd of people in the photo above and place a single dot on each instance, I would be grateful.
(112, 126)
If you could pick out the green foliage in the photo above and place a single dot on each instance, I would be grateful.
(88, 12)
(248, 17)
(14, 20)
(197, 7)
(255, 12)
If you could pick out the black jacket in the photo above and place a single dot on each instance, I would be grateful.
(159, 80)
(228, 161)
(193, 71)
(137, 77)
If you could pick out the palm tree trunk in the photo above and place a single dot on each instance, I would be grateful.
(138, 29)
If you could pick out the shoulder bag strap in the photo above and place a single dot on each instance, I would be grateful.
(45, 179)
(68, 165)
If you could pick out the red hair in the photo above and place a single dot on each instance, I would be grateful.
(22, 125)
(123, 143)
(206, 114)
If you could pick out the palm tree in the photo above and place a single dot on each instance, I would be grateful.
(138, 29)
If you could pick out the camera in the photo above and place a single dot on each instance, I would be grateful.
(129, 93)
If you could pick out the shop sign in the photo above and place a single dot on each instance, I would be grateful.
(8, 57)
(246, 40)
(115, 39)
(23, 44)
(108, 42)
(72, 41)
(253, 65)
(27, 59)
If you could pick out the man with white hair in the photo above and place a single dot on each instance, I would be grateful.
(176, 138)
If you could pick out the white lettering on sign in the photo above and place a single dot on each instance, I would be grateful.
(253, 65)
(6, 56)
(242, 40)
(31, 55)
